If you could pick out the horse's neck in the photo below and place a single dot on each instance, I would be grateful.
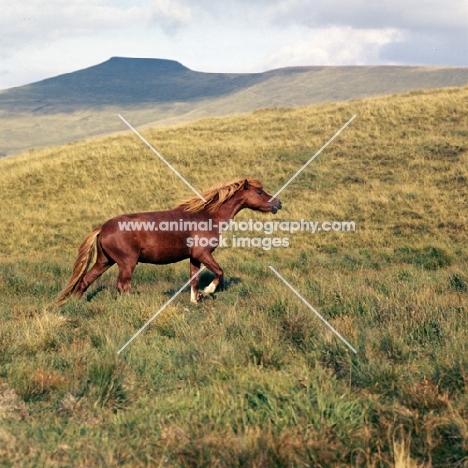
(229, 209)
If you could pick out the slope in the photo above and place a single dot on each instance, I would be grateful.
(249, 377)
(161, 92)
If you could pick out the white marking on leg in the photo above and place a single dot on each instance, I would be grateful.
(211, 288)
(193, 295)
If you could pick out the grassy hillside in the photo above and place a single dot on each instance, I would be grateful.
(249, 377)
(160, 92)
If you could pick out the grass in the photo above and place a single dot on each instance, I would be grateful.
(249, 377)
(86, 103)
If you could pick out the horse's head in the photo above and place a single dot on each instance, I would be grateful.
(257, 199)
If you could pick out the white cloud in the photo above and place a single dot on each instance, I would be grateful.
(170, 14)
(335, 46)
(420, 32)
(32, 22)
(400, 14)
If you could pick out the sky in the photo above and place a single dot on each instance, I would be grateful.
(41, 39)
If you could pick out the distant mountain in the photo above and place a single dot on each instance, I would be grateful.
(124, 81)
(162, 92)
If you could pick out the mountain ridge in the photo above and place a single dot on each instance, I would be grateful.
(121, 80)
(85, 103)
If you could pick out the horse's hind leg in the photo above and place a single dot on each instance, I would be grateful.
(125, 275)
(103, 263)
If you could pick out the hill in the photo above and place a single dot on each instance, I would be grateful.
(162, 92)
(249, 377)
(122, 82)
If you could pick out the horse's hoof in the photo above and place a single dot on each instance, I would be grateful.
(202, 295)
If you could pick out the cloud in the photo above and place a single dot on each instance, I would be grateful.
(420, 32)
(35, 22)
(400, 14)
(170, 14)
(32, 22)
(423, 48)
(335, 46)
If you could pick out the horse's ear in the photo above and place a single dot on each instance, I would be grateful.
(246, 184)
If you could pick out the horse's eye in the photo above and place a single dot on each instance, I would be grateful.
(259, 192)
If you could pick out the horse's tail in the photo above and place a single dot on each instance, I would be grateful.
(86, 255)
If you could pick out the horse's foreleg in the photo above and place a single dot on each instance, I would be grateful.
(194, 269)
(212, 265)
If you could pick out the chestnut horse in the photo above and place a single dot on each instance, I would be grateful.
(146, 238)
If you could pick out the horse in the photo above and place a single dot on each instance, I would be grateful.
(191, 230)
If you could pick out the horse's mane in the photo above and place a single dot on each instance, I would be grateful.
(217, 195)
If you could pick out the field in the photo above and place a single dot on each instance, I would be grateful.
(249, 377)
(85, 103)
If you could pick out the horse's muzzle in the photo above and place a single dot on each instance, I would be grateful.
(277, 206)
